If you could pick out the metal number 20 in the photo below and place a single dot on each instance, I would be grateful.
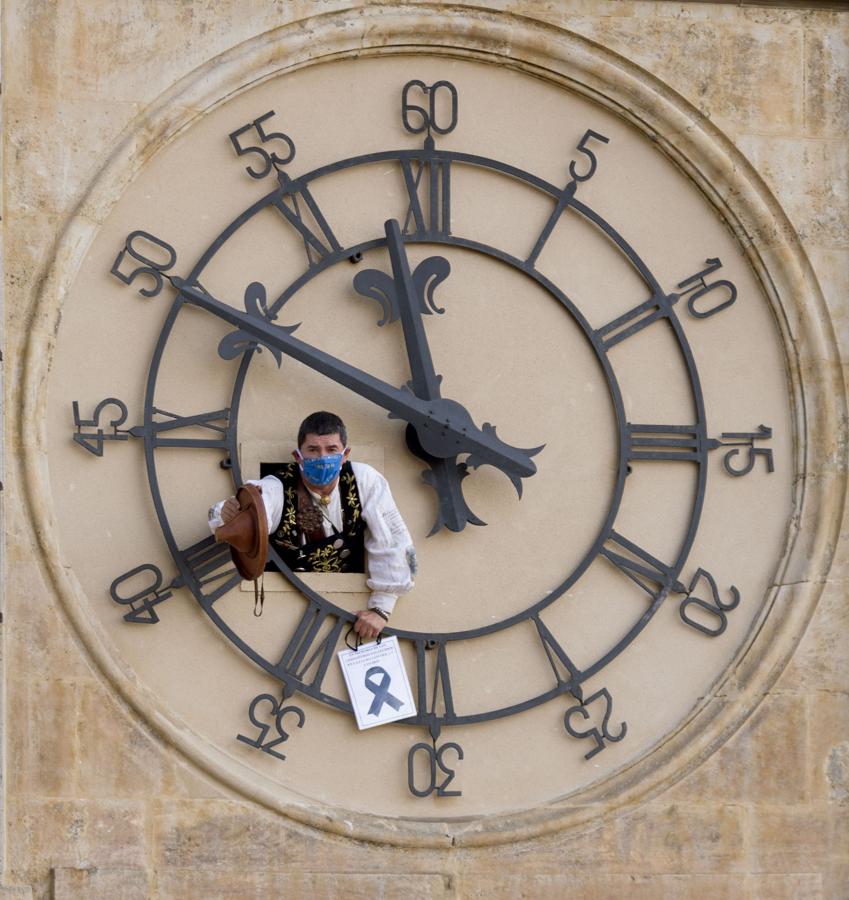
(715, 606)
(278, 712)
(435, 759)
(428, 116)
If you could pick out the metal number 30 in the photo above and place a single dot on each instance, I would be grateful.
(435, 759)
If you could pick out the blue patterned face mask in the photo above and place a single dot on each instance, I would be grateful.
(321, 470)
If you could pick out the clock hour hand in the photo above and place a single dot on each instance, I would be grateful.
(407, 295)
(443, 426)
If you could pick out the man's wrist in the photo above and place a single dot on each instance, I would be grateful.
(382, 600)
(382, 613)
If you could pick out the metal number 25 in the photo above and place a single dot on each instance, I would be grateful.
(278, 712)
(435, 759)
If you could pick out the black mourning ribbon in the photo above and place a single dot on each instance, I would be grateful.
(381, 691)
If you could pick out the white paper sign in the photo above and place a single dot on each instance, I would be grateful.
(377, 683)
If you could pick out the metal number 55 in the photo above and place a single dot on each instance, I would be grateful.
(269, 159)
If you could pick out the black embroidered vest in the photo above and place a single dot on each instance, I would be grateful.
(343, 551)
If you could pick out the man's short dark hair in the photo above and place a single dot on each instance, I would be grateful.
(322, 423)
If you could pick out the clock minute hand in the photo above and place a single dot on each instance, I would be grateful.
(444, 427)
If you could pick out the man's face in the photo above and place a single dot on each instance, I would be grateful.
(317, 445)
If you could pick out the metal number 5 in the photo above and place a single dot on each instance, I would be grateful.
(270, 159)
(582, 148)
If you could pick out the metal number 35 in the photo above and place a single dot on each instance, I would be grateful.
(278, 712)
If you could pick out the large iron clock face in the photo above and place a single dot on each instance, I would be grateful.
(539, 332)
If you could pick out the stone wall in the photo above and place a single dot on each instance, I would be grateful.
(96, 805)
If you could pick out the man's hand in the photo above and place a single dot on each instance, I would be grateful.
(230, 510)
(369, 624)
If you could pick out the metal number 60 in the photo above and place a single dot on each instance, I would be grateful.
(428, 116)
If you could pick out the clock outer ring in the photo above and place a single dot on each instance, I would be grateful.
(727, 180)
(561, 687)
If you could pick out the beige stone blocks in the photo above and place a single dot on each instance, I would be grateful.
(811, 179)
(259, 883)
(531, 886)
(98, 883)
(50, 833)
(821, 662)
(827, 82)
(765, 762)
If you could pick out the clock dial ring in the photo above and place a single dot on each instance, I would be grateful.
(531, 612)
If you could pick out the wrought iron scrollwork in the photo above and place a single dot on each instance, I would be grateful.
(238, 342)
(380, 286)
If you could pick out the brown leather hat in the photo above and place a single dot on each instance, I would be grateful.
(247, 533)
